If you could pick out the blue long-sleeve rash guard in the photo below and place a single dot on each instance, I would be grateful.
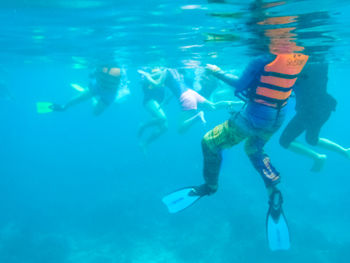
(259, 115)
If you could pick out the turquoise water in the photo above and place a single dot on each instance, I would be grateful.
(76, 188)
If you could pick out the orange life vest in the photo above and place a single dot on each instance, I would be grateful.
(278, 78)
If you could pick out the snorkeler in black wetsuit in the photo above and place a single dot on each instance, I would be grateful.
(103, 88)
(314, 107)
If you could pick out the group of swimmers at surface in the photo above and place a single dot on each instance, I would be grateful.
(263, 91)
(159, 86)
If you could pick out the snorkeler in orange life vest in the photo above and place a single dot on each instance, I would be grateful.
(265, 86)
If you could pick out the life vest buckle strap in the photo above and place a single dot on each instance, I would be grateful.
(279, 75)
(273, 87)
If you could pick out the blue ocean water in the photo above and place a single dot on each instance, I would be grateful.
(76, 188)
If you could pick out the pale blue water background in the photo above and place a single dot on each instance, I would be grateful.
(76, 189)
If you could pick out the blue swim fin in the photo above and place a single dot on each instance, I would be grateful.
(276, 224)
(181, 199)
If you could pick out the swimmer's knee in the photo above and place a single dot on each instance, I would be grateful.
(284, 142)
(312, 140)
(252, 149)
(204, 142)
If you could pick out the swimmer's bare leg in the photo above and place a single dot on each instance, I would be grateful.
(319, 159)
(149, 124)
(153, 136)
(187, 122)
(159, 117)
(78, 99)
(99, 108)
(332, 146)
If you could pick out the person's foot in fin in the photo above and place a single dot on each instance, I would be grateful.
(185, 197)
(275, 202)
(203, 190)
(276, 225)
(319, 163)
(57, 107)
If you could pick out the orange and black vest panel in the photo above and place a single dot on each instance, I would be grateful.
(278, 78)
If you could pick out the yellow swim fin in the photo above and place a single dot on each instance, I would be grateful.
(44, 107)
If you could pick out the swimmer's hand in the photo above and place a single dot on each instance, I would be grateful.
(233, 106)
(58, 107)
(235, 103)
(229, 105)
(157, 82)
(212, 68)
(142, 72)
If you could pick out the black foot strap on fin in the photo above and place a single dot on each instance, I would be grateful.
(185, 197)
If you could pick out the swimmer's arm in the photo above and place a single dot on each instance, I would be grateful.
(250, 76)
(207, 105)
(228, 78)
(157, 82)
(162, 77)
(230, 105)
(148, 77)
